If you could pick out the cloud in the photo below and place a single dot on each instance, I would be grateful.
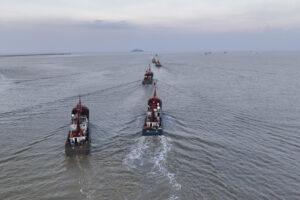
(191, 15)
(64, 35)
(81, 25)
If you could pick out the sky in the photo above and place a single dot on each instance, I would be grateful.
(35, 26)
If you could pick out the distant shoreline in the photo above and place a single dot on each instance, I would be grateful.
(35, 54)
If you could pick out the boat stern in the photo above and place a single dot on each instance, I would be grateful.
(149, 132)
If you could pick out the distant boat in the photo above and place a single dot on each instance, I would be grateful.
(137, 50)
(153, 60)
(153, 120)
(78, 139)
(157, 63)
(148, 77)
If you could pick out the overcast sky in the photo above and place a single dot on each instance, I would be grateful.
(154, 25)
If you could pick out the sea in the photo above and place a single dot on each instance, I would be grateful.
(231, 126)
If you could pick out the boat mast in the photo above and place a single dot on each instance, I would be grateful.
(79, 108)
(154, 95)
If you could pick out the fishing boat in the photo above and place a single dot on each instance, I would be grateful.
(153, 120)
(153, 60)
(148, 77)
(78, 139)
(157, 63)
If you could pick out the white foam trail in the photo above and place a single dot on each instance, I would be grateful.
(136, 153)
(173, 197)
(143, 146)
(4, 83)
(78, 163)
(159, 167)
(83, 182)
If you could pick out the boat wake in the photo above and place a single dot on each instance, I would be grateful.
(160, 161)
(149, 157)
(4, 83)
(134, 158)
(83, 181)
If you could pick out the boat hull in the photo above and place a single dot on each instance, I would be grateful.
(145, 82)
(82, 149)
(149, 132)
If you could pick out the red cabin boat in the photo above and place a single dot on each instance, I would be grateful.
(157, 63)
(148, 77)
(78, 139)
(153, 120)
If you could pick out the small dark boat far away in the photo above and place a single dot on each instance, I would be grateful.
(137, 50)
(148, 77)
(78, 140)
(153, 60)
(157, 63)
(153, 120)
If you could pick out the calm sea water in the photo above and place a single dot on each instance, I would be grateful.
(232, 127)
